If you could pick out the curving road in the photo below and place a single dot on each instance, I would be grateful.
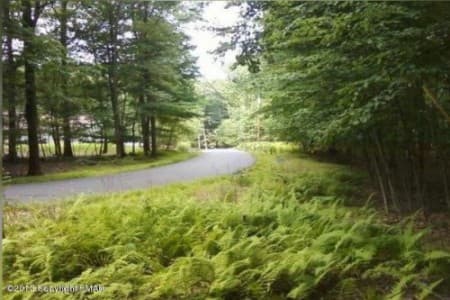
(208, 163)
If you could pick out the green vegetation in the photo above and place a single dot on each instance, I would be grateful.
(78, 149)
(106, 165)
(365, 82)
(277, 231)
(103, 71)
(232, 111)
(364, 79)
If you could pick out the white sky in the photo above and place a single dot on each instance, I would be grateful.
(215, 14)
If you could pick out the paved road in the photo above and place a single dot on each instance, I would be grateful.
(208, 163)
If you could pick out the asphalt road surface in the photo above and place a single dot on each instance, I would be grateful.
(208, 163)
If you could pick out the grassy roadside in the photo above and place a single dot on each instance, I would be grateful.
(276, 231)
(78, 149)
(85, 167)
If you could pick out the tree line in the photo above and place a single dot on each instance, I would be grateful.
(126, 66)
(369, 80)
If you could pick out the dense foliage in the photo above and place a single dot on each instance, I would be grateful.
(96, 71)
(278, 231)
(367, 79)
(232, 114)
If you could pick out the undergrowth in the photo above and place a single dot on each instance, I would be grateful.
(277, 231)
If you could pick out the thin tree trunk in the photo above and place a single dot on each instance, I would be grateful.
(421, 175)
(67, 130)
(10, 87)
(112, 80)
(56, 139)
(145, 124)
(445, 180)
(31, 113)
(133, 135)
(105, 142)
(387, 172)
(120, 149)
(153, 133)
(145, 127)
(12, 130)
(380, 183)
(406, 179)
(3, 7)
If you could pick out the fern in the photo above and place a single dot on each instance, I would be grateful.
(286, 237)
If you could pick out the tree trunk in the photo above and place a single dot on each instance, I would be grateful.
(153, 130)
(12, 124)
(387, 172)
(114, 96)
(145, 124)
(67, 130)
(6, 4)
(445, 181)
(10, 88)
(31, 113)
(133, 135)
(56, 139)
(105, 142)
(120, 149)
(381, 183)
(145, 127)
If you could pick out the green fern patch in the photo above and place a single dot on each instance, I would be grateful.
(286, 235)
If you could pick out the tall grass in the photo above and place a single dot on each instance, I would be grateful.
(278, 231)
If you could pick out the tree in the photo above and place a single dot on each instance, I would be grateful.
(350, 77)
(63, 14)
(31, 11)
(104, 33)
(10, 89)
(91, 68)
(160, 54)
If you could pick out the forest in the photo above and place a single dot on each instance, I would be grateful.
(366, 80)
(332, 127)
(94, 72)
